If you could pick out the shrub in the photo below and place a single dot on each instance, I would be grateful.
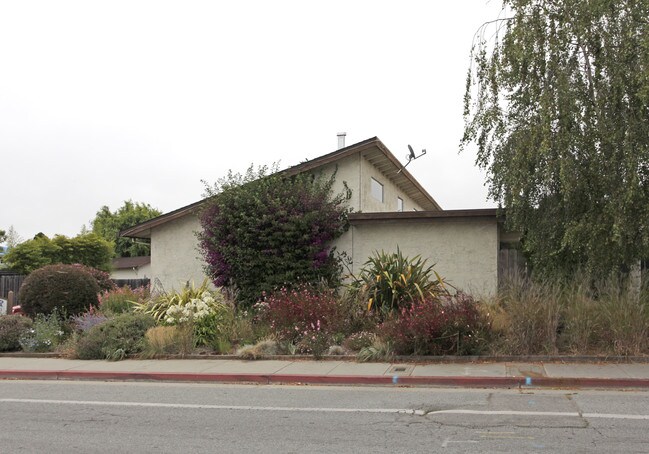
(83, 322)
(122, 299)
(359, 340)
(391, 281)
(103, 279)
(204, 310)
(305, 317)
(46, 334)
(116, 338)
(12, 327)
(63, 287)
(262, 232)
(447, 325)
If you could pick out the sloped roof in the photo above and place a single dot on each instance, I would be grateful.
(122, 263)
(371, 149)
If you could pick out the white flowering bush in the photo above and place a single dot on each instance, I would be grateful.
(195, 310)
(204, 309)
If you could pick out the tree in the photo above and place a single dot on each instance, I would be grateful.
(3, 236)
(90, 250)
(262, 231)
(558, 105)
(12, 238)
(108, 225)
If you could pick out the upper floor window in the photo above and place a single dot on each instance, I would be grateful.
(399, 204)
(377, 190)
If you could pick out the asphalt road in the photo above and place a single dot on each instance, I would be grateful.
(112, 417)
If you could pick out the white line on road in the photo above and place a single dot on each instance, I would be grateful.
(407, 411)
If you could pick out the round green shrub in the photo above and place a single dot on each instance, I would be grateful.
(103, 278)
(115, 338)
(67, 288)
(12, 327)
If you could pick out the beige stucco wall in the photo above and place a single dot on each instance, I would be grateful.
(465, 251)
(357, 172)
(142, 272)
(175, 258)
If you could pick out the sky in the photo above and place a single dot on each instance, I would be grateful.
(106, 101)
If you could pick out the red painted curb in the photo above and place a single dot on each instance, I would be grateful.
(465, 382)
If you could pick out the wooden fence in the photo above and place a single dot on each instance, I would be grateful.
(10, 283)
(133, 283)
(511, 262)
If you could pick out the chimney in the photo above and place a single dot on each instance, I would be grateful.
(341, 140)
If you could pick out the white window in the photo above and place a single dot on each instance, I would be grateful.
(399, 204)
(377, 190)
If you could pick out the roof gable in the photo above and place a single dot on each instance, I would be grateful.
(371, 149)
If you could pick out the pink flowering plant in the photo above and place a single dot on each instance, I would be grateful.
(305, 317)
(448, 325)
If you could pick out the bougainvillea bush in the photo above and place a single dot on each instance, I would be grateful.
(262, 232)
(448, 325)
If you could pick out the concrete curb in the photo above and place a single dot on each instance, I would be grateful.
(463, 382)
(596, 359)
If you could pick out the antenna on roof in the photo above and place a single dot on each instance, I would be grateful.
(411, 157)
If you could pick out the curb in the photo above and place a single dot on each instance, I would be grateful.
(460, 381)
(595, 359)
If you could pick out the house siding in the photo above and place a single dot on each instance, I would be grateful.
(175, 258)
(142, 272)
(465, 252)
(357, 172)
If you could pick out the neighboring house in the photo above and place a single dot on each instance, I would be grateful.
(391, 209)
(131, 268)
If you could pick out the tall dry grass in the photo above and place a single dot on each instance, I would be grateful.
(571, 317)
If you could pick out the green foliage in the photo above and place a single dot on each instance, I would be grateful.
(390, 281)
(122, 299)
(12, 327)
(557, 106)
(262, 232)
(204, 310)
(108, 224)
(66, 288)
(3, 236)
(89, 250)
(116, 338)
(46, 334)
(103, 279)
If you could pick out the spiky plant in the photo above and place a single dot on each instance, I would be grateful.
(389, 281)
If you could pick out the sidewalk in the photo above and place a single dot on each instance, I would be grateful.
(492, 374)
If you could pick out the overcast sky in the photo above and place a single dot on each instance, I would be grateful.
(104, 101)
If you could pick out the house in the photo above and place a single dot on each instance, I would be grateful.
(131, 268)
(391, 209)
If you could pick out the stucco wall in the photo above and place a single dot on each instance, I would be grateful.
(142, 272)
(390, 192)
(465, 251)
(175, 258)
(357, 172)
